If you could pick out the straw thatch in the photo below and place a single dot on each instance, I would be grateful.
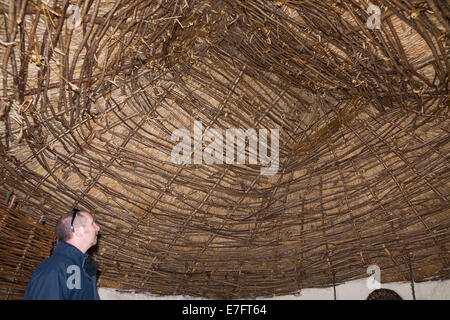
(87, 113)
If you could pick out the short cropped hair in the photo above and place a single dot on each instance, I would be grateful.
(63, 231)
(384, 294)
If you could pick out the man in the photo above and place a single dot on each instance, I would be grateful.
(69, 274)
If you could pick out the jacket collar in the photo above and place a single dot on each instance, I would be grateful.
(69, 251)
(76, 256)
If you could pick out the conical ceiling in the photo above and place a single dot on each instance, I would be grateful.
(93, 99)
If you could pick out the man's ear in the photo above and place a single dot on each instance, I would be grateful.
(78, 232)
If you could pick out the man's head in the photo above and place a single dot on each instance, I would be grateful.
(78, 228)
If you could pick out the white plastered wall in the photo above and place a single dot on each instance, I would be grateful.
(352, 290)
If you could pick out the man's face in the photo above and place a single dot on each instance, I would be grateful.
(90, 229)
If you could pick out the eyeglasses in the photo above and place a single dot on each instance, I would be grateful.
(74, 214)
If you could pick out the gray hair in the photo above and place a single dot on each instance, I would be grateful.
(63, 231)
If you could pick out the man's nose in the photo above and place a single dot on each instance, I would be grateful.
(97, 227)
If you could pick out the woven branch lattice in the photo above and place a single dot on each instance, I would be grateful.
(25, 244)
(87, 111)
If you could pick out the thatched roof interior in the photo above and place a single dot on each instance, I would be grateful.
(87, 113)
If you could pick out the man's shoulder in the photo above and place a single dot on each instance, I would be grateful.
(47, 280)
(56, 263)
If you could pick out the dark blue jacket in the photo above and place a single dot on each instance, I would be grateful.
(68, 274)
